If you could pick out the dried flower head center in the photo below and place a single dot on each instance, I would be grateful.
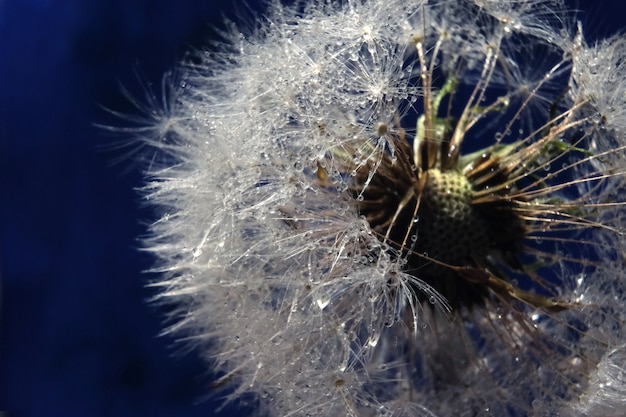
(434, 220)
(449, 225)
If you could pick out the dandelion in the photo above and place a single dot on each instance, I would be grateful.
(375, 208)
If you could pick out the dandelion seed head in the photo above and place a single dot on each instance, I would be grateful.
(378, 208)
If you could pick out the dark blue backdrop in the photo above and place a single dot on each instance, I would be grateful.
(77, 338)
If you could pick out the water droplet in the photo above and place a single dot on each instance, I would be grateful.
(322, 303)
(373, 340)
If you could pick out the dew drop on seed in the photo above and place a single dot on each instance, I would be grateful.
(322, 303)
(432, 299)
(373, 340)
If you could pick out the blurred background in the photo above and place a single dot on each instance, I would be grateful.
(77, 337)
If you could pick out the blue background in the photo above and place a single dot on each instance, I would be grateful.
(77, 337)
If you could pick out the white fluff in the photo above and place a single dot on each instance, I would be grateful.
(284, 288)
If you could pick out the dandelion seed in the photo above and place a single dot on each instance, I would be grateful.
(383, 208)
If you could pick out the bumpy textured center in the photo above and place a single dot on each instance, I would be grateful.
(434, 221)
(450, 228)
